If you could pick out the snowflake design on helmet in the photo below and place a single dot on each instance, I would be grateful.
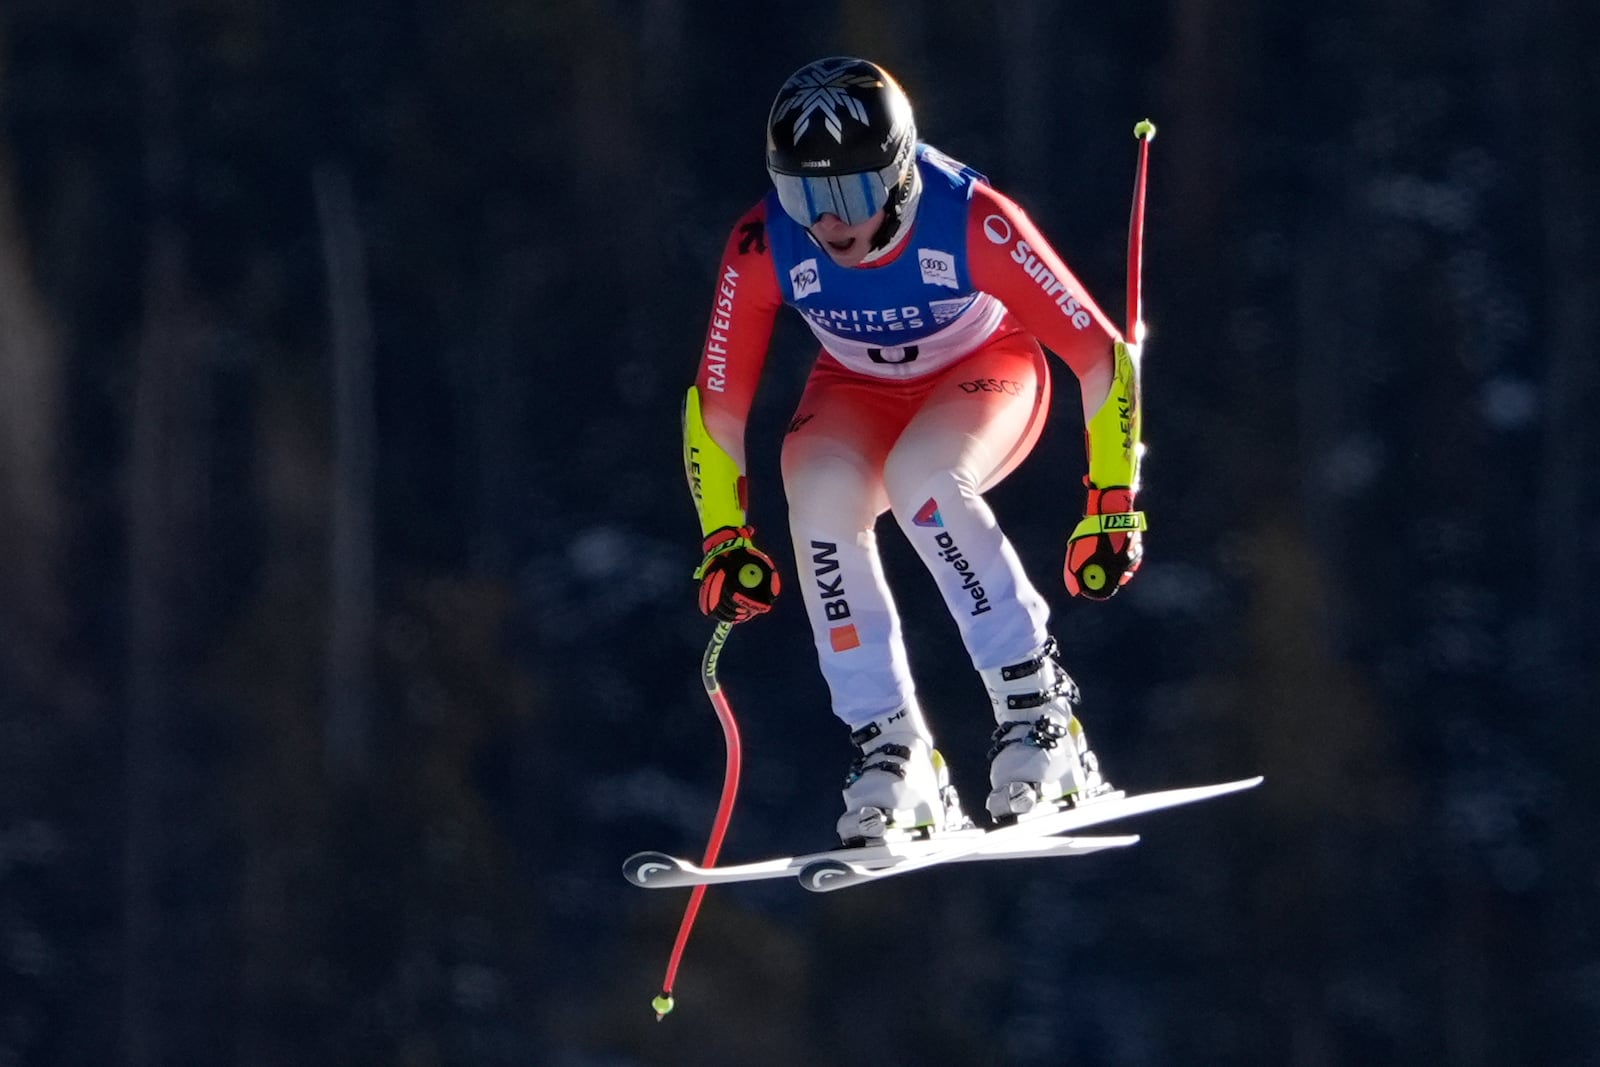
(822, 93)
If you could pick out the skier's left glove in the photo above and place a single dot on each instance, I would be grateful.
(738, 581)
(1105, 549)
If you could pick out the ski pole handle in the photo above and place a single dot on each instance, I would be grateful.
(1145, 131)
(713, 652)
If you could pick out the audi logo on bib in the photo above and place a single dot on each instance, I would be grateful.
(938, 268)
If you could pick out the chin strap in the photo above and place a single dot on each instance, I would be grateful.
(898, 213)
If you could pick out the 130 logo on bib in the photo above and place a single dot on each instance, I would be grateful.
(804, 279)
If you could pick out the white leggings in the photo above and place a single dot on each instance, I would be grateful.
(926, 449)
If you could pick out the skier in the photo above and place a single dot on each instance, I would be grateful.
(931, 294)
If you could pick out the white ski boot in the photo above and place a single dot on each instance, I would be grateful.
(1041, 754)
(898, 785)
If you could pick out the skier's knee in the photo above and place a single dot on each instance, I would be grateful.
(911, 485)
(827, 490)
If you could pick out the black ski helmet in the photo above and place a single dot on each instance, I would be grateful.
(841, 140)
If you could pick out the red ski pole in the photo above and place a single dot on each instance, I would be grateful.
(1145, 131)
(719, 826)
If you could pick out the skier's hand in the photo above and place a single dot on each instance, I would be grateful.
(1105, 549)
(738, 581)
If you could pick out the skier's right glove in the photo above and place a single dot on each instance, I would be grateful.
(738, 581)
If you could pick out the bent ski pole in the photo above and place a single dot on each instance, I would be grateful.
(1145, 131)
(719, 826)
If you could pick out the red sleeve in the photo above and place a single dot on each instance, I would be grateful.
(743, 309)
(1010, 259)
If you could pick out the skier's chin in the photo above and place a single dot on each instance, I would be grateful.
(847, 252)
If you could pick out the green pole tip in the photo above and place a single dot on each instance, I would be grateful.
(1144, 129)
(662, 1005)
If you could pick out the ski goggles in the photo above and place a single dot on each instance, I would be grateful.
(854, 198)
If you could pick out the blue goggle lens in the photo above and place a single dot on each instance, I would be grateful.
(855, 198)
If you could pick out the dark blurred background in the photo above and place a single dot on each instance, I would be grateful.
(347, 638)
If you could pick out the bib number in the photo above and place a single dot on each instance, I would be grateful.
(892, 355)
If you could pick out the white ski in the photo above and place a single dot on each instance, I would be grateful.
(657, 870)
(826, 873)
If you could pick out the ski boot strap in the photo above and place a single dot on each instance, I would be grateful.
(1061, 686)
(1044, 732)
(894, 763)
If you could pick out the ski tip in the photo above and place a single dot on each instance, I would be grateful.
(1096, 844)
(662, 1005)
(1238, 785)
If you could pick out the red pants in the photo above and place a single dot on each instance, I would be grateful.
(925, 449)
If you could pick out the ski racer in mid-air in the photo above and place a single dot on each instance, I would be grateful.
(931, 294)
